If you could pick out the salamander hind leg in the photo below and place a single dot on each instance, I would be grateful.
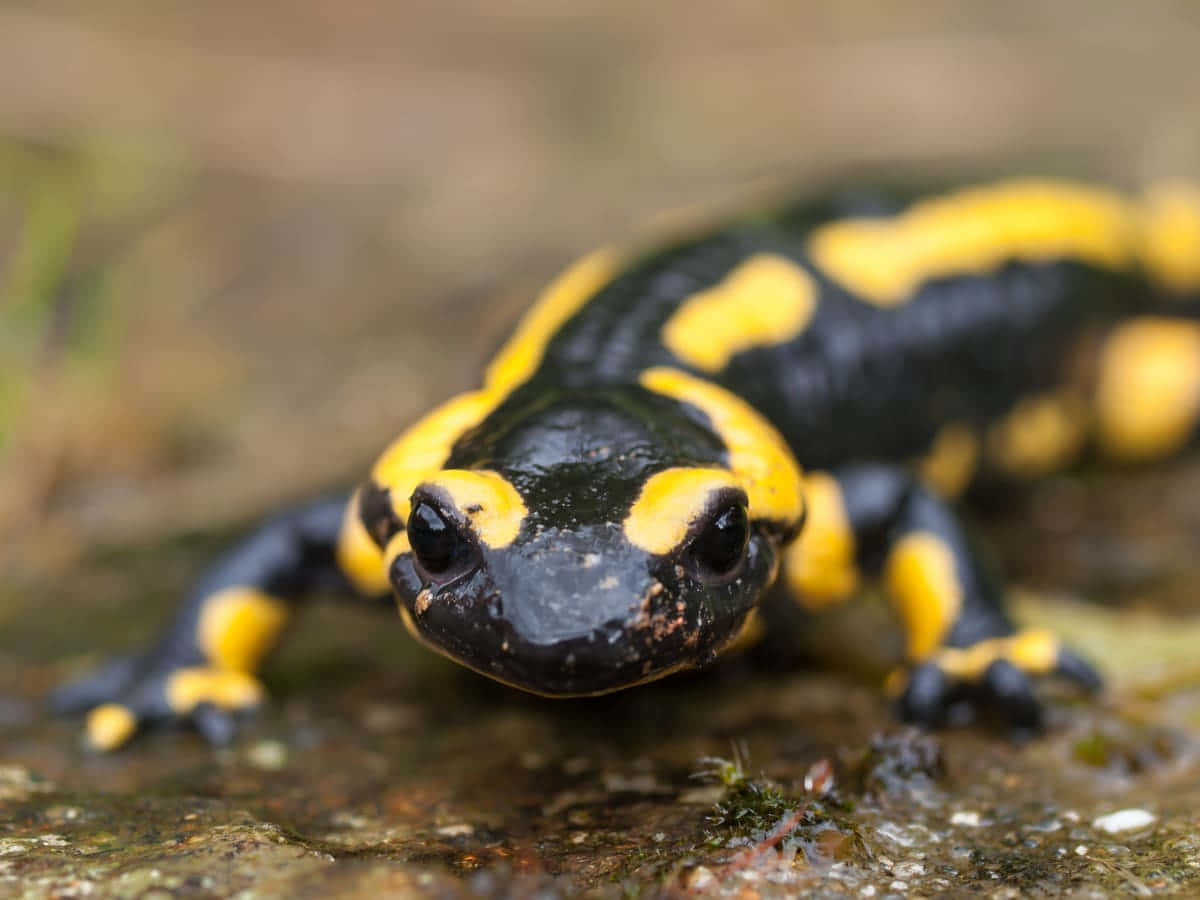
(962, 652)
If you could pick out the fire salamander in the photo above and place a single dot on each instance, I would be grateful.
(797, 397)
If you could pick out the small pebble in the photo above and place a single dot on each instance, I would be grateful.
(1124, 820)
(967, 818)
(270, 756)
(462, 829)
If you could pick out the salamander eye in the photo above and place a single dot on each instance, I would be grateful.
(440, 548)
(721, 544)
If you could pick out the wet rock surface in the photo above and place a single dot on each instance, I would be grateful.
(379, 768)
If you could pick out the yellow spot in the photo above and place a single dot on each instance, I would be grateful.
(110, 725)
(1032, 650)
(766, 300)
(922, 580)
(187, 688)
(520, 356)
(819, 565)
(973, 231)
(237, 626)
(670, 501)
(952, 460)
(1148, 394)
(489, 502)
(1040, 435)
(1170, 238)
(358, 557)
(758, 455)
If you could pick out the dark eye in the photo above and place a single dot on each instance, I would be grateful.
(436, 541)
(721, 545)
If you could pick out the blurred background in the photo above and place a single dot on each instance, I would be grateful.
(241, 245)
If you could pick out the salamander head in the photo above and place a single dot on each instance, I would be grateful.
(580, 543)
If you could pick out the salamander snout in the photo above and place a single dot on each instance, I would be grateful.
(579, 611)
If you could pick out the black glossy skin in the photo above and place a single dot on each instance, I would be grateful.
(571, 607)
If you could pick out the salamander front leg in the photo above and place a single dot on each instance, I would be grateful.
(961, 648)
(202, 669)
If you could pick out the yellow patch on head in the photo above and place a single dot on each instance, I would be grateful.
(820, 564)
(237, 626)
(670, 501)
(758, 455)
(972, 231)
(487, 500)
(522, 353)
(187, 688)
(952, 460)
(110, 725)
(358, 556)
(922, 582)
(1170, 236)
(1040, 435)
(1148, 395)
(764, 301)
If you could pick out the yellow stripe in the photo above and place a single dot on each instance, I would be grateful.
(820, 564)
(973, 231)
(764, 301)
(520, 356)
(358, 557)
(237, 626)
(670, 501)
(758, 455)
(922, 582)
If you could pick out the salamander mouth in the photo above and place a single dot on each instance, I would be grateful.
(618, 655)
(578, 668)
